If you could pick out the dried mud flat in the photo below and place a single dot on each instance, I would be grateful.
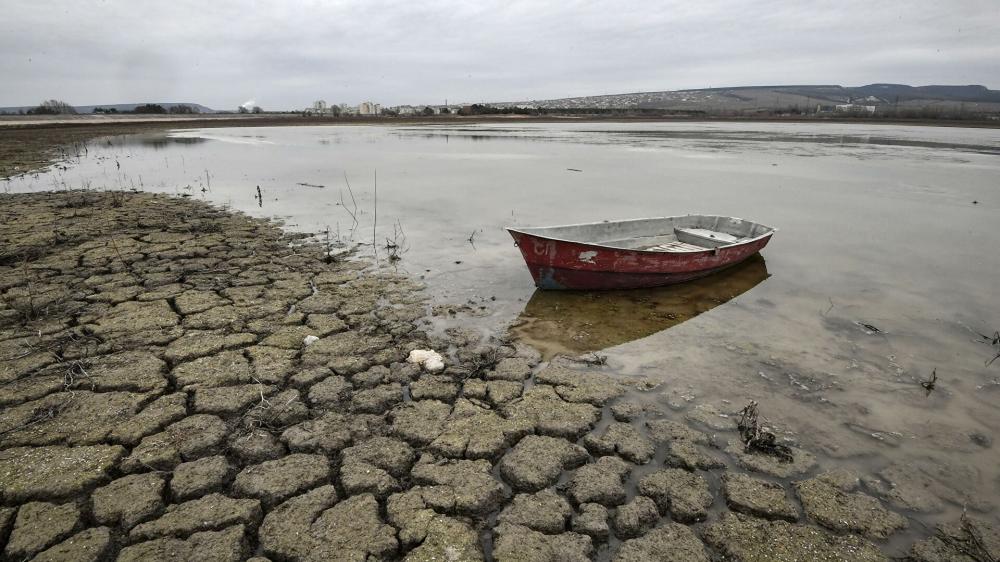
(159, 402)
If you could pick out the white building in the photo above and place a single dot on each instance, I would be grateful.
(855, 108)
(369, 108)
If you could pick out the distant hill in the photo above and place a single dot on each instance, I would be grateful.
(120, 107)
(972, 98)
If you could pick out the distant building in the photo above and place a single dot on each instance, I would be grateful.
(405, 109)
(855, 108)
(369, 108)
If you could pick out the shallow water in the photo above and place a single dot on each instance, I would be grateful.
(895, 227)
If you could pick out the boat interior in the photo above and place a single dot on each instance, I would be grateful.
(690, 233)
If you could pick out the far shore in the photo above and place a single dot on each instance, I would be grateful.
(8, 122)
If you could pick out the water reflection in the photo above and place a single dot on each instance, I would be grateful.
(155, 141)
(575, 322)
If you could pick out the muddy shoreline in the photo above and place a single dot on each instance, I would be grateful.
(160, 401)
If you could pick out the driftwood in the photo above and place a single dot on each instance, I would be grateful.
(757, 439)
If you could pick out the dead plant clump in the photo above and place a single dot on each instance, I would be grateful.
(968, 541)
(757, 439)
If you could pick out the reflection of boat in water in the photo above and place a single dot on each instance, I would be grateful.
(637, 253)
(576, 322)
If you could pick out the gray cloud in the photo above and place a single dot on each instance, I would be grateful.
(284, 56)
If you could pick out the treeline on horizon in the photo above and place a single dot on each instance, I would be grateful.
(57, 107)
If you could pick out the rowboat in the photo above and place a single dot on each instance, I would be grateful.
(637, 253)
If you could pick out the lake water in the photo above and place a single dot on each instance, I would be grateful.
(888, 227)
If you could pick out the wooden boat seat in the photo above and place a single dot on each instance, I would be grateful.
(704, 237)
(675, 247)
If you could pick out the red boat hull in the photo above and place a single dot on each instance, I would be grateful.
(559, 264)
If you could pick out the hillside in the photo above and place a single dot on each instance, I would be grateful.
(750, 98)
(120, 107)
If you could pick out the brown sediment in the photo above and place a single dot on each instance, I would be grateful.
(159, 397)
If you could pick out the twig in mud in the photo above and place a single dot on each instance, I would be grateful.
(260, 198)
(472, 238)
(375, 217)
(993, 341)
(128, 266)
(399, 244)
(756, 438)
(593, 359)
(930, 384)
(484, 362)
(970, 543)
(354, 203)
(831, 306)
(869, 329)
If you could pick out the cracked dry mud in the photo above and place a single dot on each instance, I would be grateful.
(159, 403)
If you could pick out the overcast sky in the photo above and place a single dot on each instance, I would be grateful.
(284, 55)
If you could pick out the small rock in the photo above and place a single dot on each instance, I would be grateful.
(429, 359)
(636, 517)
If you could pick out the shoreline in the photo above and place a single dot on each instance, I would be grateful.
(14, 122)
(163, 393)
